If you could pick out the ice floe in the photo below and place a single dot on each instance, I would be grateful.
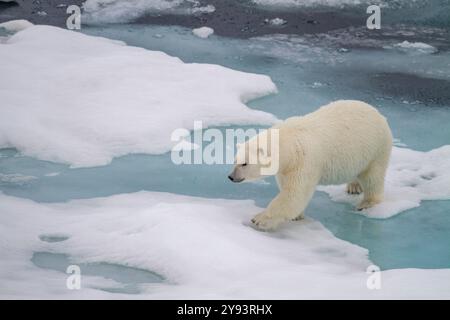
(15, 178)
(118, 11)
(15, 25)
(203, 32)
(52, 174)
(82, 100)
(200, 248)
(413, 47)
(311, 3)
(412, 176)
(333, 3)
(276, 22)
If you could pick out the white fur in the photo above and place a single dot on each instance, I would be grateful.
(343, 142)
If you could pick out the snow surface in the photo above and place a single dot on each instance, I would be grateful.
(82, 100)
(119, 11)
(203, 249)
(412, 176)
(203, 32)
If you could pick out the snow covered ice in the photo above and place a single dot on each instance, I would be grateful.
(309, 3)
(91, 99)
(414, 47)
(100, 11)
(201, 248)
(276, 21)
(203, 32)
(412, 177)
(15, 25)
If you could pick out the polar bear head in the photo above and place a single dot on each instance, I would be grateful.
(257, 158)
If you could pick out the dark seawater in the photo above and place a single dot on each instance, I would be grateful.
(243, 18)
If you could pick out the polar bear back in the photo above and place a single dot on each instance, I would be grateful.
(339, 140)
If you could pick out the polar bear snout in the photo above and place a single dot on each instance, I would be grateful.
(232, 176)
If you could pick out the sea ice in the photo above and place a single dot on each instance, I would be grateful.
(82, 100)
(16, 25)
(311, 3)
(15, 178)
(276, 21)
(203, 32)
(120, 11)
(203, 248)
(412, 176)
(332, 3)
(413, 47)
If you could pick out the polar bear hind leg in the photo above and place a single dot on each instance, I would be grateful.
(372, 182)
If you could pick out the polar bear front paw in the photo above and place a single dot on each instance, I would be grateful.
(301, 216)
(367, 203)
(264, 222)
(354, 188)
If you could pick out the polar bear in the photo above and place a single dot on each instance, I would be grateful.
(342, 142)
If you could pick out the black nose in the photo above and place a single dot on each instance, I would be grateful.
(230, 177)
